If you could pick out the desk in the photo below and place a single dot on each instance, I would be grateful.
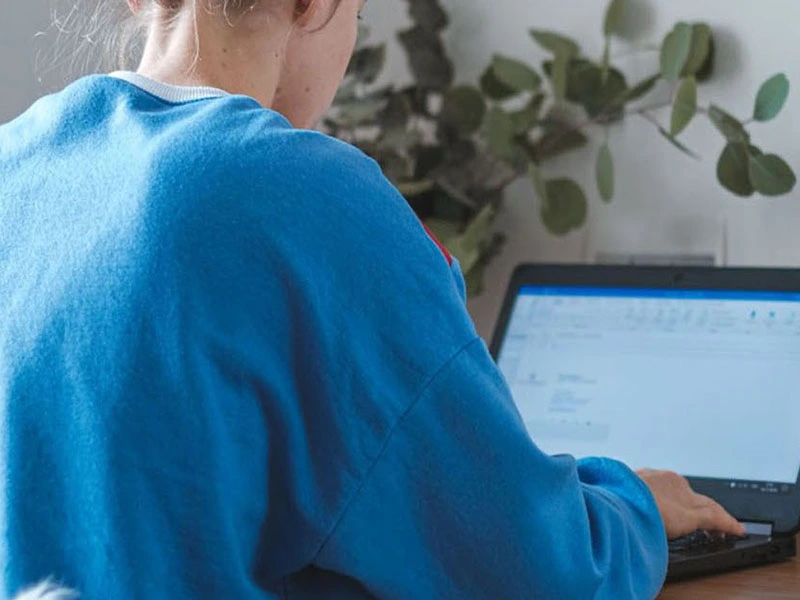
(774, 582)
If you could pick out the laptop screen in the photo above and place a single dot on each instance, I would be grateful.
(705, 383)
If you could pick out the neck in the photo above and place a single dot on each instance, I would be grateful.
(206, 50)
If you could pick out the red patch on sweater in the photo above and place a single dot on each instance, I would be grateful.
(447, 256)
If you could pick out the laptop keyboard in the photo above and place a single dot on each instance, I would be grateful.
(703, 542)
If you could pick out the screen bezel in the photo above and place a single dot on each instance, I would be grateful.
(783, 511)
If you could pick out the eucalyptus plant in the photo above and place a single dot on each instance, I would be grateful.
(452, 150)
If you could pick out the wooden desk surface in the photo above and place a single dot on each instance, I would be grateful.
(759, 583)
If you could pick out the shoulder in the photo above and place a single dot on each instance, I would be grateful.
(250, 151)
(243, 173)
(322, 166)
(269, 170)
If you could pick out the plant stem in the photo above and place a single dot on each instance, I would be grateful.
(648, 117)
(648, 108)
(416, 188)
(600, 119)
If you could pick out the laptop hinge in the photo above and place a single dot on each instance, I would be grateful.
(754, 528)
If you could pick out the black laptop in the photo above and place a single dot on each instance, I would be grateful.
(694, 370)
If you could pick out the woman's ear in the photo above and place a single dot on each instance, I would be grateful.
(314, 14)
(304, 11)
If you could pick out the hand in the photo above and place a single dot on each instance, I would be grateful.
(685, 511)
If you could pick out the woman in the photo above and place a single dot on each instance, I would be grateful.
(234, 365)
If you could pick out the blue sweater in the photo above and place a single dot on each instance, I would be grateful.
(233, 365)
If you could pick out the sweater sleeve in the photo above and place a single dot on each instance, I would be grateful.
(461, 504)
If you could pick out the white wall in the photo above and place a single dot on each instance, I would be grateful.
(665, 201)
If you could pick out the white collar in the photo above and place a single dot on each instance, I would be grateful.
(174, 94)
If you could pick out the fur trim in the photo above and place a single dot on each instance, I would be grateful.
(47, 590)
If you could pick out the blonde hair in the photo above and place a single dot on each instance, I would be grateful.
(97, 36)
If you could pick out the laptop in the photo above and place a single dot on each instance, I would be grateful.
(694, 370)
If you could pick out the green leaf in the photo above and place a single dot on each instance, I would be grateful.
(585, 86)
(535, 173)
(474, 279)
(559, 141)
(560, 76)
(428, 14)
(396, 167)
(675, 142)
(399, 139)
(699, 50)
(472, 244)
(771, 176)
(347, 92)
(397, 112)
(605, 100)
(707, 70)
(685, 107)
(641, 89)
(566, 208)
(605, 173)
(733, 170)
(464, 109)
(427, 159)
(729, 126)
(614, 15)
(448, 204)
(605, 65)
(358, 111)
(431, 67)
(555, 43)
(367, 63)
(527, 118)
(515, 74)
(675, 51)
(500, 133)
(771, 98)
(493, 88)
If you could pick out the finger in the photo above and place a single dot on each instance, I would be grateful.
(712, 517)
(681, 523)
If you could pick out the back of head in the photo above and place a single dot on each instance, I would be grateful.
(93, 36)
(290, 55)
